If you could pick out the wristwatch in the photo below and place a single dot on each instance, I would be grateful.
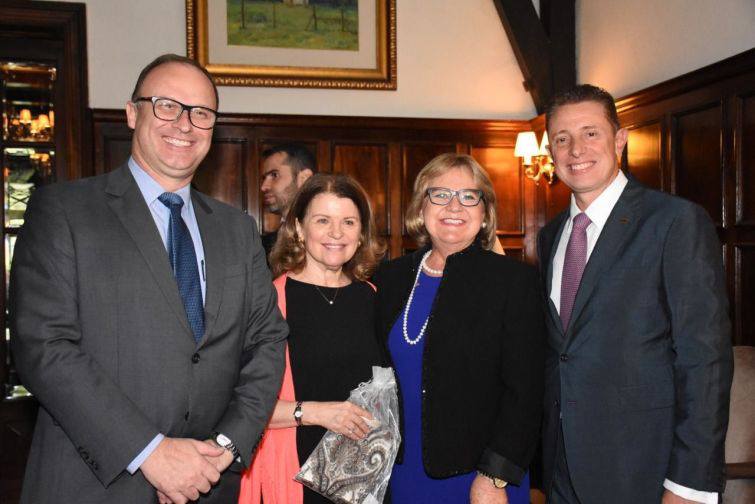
(497, 482)
(225, 442)
(298, 414)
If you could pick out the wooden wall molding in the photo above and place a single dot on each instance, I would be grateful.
(713, 74)
(384, 154)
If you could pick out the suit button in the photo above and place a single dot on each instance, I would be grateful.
(564, 357)
(195, 358)
(186, 416)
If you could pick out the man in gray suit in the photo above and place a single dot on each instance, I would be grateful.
(155, 371)
(639, 361)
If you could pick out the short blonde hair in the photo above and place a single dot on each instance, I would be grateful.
(441, 165)
(289, 253)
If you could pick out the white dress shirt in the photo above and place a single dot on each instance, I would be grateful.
(598, 212)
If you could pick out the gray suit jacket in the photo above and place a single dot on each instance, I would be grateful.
(642, 373)
(100, 336)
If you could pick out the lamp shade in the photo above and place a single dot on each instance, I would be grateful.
(526, 144)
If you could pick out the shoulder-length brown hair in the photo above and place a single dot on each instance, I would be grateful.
(289, 253)
(438, 166)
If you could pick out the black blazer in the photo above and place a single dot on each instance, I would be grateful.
(483, 361)
(641, 376)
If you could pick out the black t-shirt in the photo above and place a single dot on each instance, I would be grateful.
(332, 348)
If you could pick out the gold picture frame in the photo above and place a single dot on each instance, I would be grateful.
(380, 76)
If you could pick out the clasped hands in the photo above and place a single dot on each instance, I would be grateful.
(180, 469)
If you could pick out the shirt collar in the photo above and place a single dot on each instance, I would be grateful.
(600, 209)
(149, 187)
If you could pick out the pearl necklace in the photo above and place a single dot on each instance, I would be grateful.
(422, 265)
(428, 268)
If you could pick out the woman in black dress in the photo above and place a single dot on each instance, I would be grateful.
(325, 252)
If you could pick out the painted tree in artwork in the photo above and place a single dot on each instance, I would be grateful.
(310, 24)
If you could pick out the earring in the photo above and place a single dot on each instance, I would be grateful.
(484, 225)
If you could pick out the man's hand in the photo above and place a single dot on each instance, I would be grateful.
(483, 492)
(178, 468)
(222, 461)
(162, 498)
(670, 497)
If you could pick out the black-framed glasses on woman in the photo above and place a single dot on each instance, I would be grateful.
(168, 109)
(443, 196)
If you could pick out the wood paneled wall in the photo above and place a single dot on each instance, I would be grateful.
(384, 154)
(693, 136)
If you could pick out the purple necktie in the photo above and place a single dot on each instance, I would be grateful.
(574, 266)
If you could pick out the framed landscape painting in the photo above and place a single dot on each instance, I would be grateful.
(349, 44)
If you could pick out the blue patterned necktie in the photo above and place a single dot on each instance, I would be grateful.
(183, 260)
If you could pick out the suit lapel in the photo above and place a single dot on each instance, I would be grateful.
(128, 204)
(551, 247)
(214, 260)
(619, 228)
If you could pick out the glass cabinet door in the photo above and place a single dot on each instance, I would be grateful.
(27, 151)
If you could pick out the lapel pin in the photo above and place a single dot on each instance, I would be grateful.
(624, 220)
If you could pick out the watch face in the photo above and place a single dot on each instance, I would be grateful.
(222, 440)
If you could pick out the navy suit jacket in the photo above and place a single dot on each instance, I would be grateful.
(641, 376)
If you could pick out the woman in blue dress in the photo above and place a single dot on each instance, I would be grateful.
(463, 327)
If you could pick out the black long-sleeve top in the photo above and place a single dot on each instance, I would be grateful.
(483, 363)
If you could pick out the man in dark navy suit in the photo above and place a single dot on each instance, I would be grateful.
(639, 361)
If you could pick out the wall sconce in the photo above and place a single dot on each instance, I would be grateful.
(537, 162)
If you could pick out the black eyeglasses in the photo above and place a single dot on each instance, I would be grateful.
(443, 196)
(168, 109)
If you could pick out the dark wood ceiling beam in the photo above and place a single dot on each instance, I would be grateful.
(559, 19)
(544, 49)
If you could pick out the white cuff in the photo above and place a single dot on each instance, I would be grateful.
(690, 494)
(146, 452)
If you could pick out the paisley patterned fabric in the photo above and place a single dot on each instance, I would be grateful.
(357, 472)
